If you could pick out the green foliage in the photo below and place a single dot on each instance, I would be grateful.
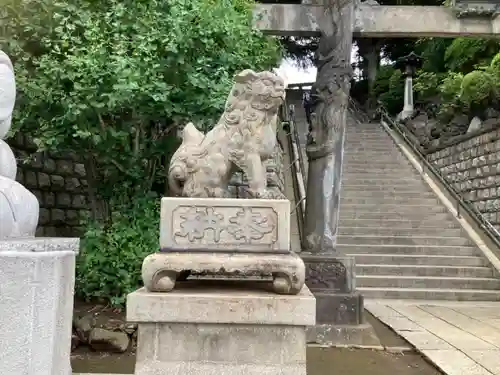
(464, 54)
(495, 66)
(111, 255)
(111, 79)
(452, 86)
(389, 88)
(477, 86)
(426, 84)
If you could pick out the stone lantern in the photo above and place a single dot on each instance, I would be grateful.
(476, 8)
(408, 65)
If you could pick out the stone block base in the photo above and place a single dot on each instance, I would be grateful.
(340, 321)
(343, 335)
(161, 271)
(208, 329)
(339, 309)
(37, 279)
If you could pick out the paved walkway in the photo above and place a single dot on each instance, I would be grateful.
(461, 338)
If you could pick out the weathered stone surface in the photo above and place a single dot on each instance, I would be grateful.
(472, 166)
(375, 21)
(213, 330)
(104, 340)
(328, 272)
(161, 271)
(208, 224)
(83, 326)
(8, 166)
(37, 282)
(350, 335)
(243, 138)
(19, 208)
(474, 125)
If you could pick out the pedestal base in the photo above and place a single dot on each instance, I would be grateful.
(339, 308)
(205, 328)
(37, 278)
(161, 271)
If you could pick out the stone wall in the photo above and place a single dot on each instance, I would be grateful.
(58, 182)
(471, 164)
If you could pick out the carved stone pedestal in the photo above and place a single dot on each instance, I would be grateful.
(339, 309)
(209, 328)
(37, 277)
(161, 271)
(225, 238)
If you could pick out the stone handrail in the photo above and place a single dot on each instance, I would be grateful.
(297, 162)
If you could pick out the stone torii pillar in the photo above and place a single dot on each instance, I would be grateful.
(408, 65)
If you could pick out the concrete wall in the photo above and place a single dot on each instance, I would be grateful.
(59, 183)
(471, 164)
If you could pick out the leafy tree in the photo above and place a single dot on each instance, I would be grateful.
(111, 79)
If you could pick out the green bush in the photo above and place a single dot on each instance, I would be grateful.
(393, 97)
(477, 86)
(109, 263)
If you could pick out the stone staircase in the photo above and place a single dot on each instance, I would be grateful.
(405, 242)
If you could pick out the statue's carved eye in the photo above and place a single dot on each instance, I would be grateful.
(236, 93)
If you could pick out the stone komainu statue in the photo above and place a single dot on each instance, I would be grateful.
(243, 138)
(18, 207)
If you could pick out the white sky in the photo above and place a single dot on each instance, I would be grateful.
(293, 74)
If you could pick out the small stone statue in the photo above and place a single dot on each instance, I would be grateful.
(243, 138)
(19, 208)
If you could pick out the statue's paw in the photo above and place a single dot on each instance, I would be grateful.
(266, 194)
(273, 194)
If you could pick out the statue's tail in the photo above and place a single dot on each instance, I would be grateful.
(176, 176)
(184, 159)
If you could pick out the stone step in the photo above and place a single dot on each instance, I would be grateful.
(408, 250)
(387, 231)
(403, 240)
(402, 216)
(356, 187)
(373, 161)
(431, 294)
(404, 174)
(385, 148)
(362, 167)
(378, 170)
(392, 208)
(410, 194)
(377, 223)
(422, 270)
(384, 183)
(415, 259)
(372, 155)
(385, 281)
(424, 201)
(372, 143)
